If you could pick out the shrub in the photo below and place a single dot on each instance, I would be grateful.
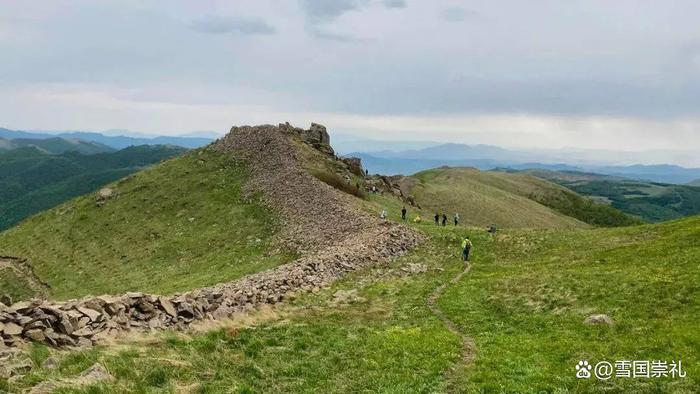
(339, 183)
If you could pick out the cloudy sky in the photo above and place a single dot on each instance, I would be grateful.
(592, 74)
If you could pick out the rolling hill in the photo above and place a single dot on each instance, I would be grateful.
(486, 157)
(695, 183)
(507, 200)
(32, 180)
(650, 201)
(178, 225)
(194, 221)
(55, 145)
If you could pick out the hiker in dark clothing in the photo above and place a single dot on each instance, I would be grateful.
(456, 218)
(437, 219)
(403, 214)
(444, 220)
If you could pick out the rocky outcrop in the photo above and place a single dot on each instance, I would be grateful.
(333, 234)
(354, 165)
(400, 186)
(316, 135)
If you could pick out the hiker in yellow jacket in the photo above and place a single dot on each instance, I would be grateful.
(466, 248)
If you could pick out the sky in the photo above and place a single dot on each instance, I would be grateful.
(616, 75)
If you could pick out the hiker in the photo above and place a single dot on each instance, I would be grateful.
(383, 215)
(437, 219)
(456, 218)
(466, 248)
(366, 172)
(444, 220)
(403, 214)
(417, 219)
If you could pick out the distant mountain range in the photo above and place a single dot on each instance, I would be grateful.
(55, 145)
(486, 157)
(115, 142)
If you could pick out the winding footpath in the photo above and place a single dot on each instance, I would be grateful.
(468, 346)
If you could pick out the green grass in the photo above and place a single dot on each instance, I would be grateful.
(14, 286)
(385, 340)
(523, 303)
(179, 225)
(526, 302)
(483, 198)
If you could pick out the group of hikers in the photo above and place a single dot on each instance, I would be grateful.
(443, 219)
(466, 245)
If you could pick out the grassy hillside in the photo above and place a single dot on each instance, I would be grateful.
(55, 145)
(523, 303)
(179, 225)
(509, 200)
(650, 201)
(32, 181)
(526, 303)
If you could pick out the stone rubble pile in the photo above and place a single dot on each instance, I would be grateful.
(87, 321)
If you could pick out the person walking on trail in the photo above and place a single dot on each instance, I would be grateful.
(456, 218)
(383, 215)
(444, 220)
(466, 248)
(417, 219)
(437, 219)
(403, 214)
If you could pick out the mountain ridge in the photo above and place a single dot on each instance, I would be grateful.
(114, 141)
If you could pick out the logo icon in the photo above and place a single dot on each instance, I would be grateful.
(583, 370)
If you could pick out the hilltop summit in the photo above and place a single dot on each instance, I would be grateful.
(220, 230)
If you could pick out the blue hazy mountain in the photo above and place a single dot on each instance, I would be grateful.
(114, 141)
(487, 157)
(55, 145)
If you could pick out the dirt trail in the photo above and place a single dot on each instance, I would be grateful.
(468, 346)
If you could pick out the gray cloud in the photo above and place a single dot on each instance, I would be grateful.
(328, 10)
(456, 14)
(394, 3)
(323, 34)
(223, 25)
